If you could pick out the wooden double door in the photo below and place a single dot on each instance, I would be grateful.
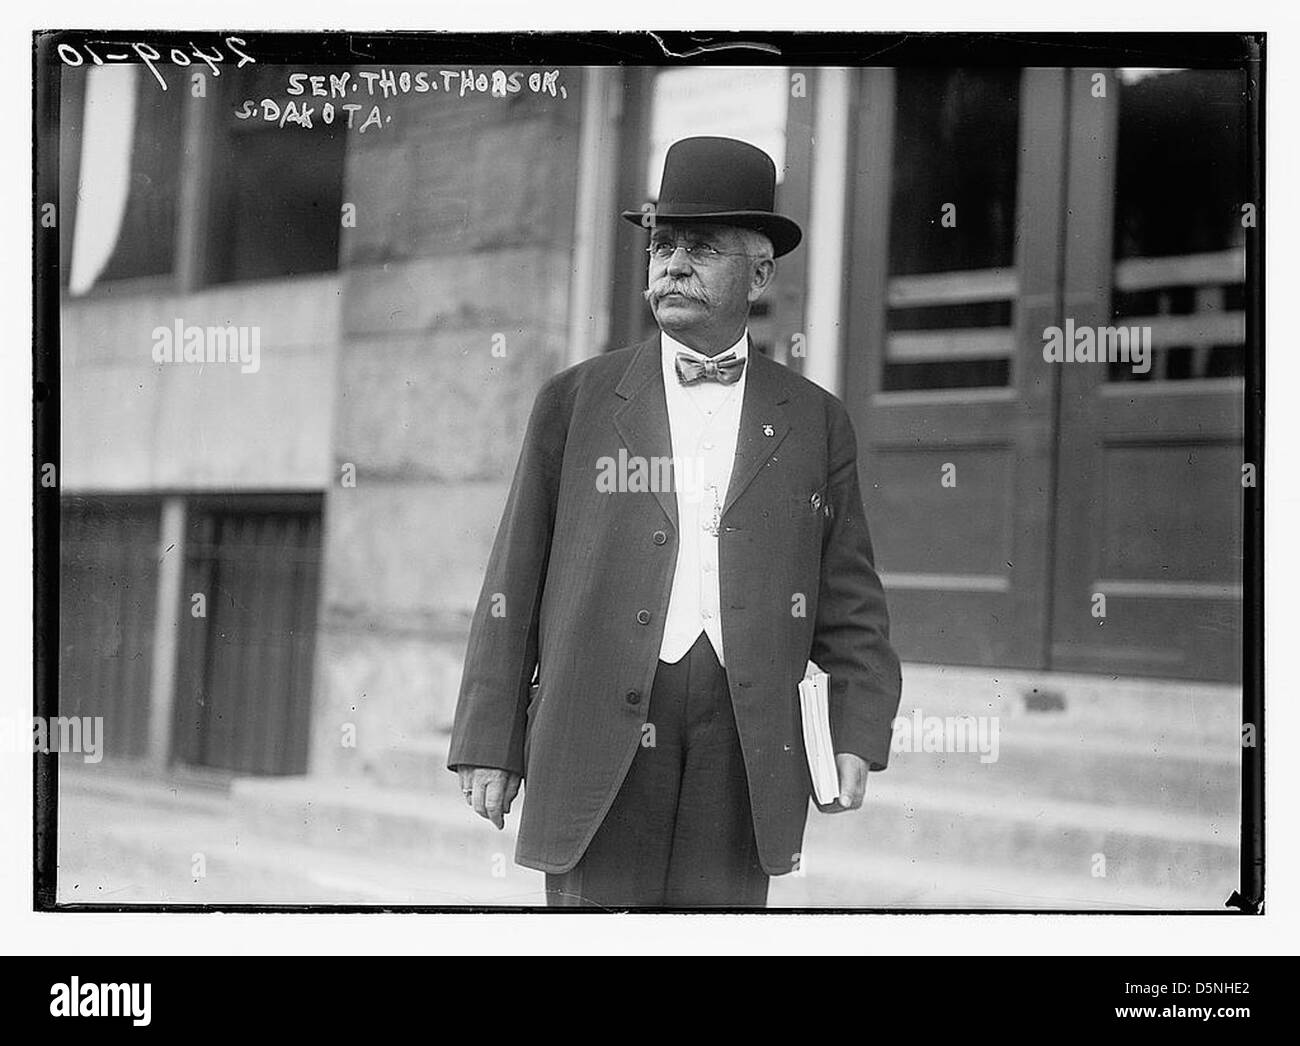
(1030, 513)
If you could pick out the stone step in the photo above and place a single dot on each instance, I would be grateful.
(1140, 848)
(1051, 762)
(1137, 848)
(418, 763)
(912, 884)
(1166, 712)
(436, 829)
(300, 841)
(135, 844)
(147, 862)
(1102, 738)
(1032, 760)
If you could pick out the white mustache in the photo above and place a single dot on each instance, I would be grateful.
(687, 289)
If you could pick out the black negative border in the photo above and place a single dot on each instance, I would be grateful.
(1244, 50)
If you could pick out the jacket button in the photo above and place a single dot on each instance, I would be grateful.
(633, 698)
(643, 616)
(659, 537)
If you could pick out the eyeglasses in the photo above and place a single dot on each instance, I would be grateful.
(696, 252)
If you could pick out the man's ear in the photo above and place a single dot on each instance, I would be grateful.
(760, 278)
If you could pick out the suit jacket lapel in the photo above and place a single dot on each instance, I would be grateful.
(763, 422)
(643, 420)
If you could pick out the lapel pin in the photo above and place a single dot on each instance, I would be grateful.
(768, 430)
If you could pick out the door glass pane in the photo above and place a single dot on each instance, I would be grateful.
(1180, 259)
(952, 239)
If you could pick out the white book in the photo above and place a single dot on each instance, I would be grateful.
(814, 707)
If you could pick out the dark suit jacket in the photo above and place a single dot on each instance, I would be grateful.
(577, 588)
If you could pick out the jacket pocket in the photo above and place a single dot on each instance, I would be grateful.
(812, 509)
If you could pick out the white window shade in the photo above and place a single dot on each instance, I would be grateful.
(745, 102)
(105, 171)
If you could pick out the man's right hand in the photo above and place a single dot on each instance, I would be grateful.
(489, 790)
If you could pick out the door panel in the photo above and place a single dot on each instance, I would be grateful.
(1150, 510)
(954, 428)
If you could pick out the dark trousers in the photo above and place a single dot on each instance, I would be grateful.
(680, 833)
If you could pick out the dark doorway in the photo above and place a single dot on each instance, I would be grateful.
(248, 623)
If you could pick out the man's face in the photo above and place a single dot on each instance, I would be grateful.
(709, 290)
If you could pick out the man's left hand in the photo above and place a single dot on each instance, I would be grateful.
(853, 783)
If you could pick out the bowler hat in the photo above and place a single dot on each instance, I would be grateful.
(721, 180)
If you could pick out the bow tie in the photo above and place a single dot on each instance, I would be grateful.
(725, 369)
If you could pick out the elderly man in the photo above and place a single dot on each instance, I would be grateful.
(637, 648)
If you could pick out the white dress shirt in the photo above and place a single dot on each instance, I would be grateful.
(704, 420)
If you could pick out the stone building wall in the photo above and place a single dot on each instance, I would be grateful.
(454, 287)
